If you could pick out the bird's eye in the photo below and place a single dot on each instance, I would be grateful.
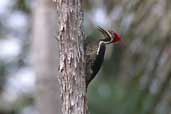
(113, 37)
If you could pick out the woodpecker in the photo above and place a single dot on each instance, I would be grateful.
(95, 51)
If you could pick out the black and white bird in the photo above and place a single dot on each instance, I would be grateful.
(95, 51)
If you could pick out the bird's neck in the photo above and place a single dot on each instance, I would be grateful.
(101, 46)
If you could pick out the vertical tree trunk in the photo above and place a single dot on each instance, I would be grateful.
(44, 58)
(72, 77)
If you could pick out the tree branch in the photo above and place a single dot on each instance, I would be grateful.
(72, 77)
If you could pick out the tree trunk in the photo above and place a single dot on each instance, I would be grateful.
(72, 72)
(44, 58)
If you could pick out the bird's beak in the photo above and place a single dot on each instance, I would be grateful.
(106, 34)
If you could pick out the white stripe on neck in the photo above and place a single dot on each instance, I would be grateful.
(99, 47)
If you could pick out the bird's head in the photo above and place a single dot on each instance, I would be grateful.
(110, 36)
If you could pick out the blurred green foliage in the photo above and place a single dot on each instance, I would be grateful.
(22, 6)
(12, 103)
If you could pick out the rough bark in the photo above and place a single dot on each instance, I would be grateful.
(44, 58)
(72, 73)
